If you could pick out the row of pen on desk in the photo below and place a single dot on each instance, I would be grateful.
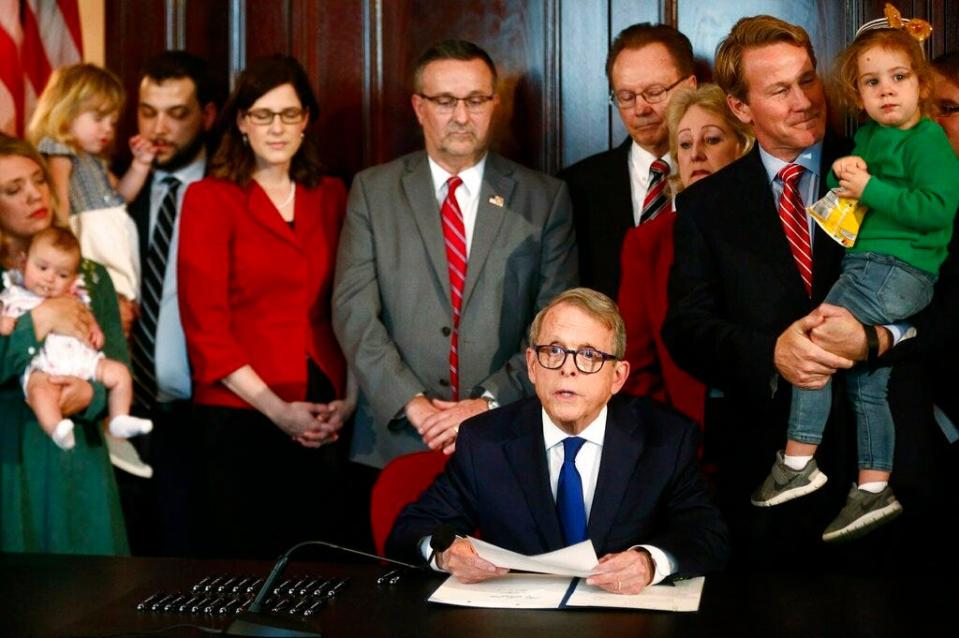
(227, 594)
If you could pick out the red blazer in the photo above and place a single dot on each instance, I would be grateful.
(253, 291)
(646, 259)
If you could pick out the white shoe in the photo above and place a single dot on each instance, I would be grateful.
(125, 457)
(63, 435)
(125, 426)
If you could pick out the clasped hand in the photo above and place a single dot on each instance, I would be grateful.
(438, 422)
(810, 350)
(313, 424)
(853, 175)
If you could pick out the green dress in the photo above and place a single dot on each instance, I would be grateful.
(52, 500)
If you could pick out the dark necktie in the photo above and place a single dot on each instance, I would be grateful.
(657, 194)
(569, 494)
(792, 214)
(454, 234)
(143, 351)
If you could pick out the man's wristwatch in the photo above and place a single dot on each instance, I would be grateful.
(872, 345)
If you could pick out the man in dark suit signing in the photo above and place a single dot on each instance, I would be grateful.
(572, 465)
(619, 189)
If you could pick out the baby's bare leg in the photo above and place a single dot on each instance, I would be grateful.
(116, 377)
(44, 398)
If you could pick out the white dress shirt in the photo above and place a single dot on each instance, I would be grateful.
(172, 365)
(639, 162)
(467, 194)
(587, 464)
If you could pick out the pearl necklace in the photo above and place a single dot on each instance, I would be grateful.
(289, 198)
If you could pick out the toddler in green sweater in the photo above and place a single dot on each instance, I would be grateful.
(904, 170)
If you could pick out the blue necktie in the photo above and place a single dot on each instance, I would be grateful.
(569, 494)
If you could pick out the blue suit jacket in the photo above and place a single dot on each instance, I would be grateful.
(649, 488)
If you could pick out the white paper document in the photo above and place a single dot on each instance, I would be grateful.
(575, 560)
(550, 586)
(540, 591)
(684, 595)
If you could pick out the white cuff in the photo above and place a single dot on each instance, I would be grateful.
(662, 562)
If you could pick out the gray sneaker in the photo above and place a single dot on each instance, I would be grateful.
(784, 483)
(863, 512)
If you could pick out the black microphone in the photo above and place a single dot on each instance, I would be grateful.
(254, 622)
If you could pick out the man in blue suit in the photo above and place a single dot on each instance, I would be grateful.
(571, 464)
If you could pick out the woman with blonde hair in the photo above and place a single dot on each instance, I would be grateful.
(53, 500)
(704, 136)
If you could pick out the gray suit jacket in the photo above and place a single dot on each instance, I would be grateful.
(391, 299)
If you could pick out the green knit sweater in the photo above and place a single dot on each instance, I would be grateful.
(912, 195)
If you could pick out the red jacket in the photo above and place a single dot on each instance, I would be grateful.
(253, 291)
(646, 259)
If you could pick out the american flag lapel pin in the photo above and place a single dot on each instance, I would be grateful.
(496, 200)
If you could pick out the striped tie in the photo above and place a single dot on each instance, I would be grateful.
(143, 350)
(657, 193)
(454, 233)
(792, 214)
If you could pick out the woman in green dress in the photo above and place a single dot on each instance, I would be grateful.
(52, 500)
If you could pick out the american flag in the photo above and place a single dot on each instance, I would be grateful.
(36, 36)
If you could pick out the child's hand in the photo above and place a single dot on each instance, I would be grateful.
(850, 162)
(144, 152)
(853, 182)
(97, 337)
(7, 324)
(129, 312)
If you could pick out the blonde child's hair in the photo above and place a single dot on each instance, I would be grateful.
(73, 90)
(846, 73)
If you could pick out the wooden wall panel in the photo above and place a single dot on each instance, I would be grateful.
(329, 44)
(511, 31)
(551, 55)
(269, 27)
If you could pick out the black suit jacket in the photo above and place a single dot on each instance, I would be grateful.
(649, 489)
(600, 189)
(733, 289)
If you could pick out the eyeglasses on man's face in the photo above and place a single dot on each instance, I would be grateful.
(265, 117)
(946, 109)
(447, 103)
(625, 98)
(587, 360)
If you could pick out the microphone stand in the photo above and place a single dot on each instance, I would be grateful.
(254, 622)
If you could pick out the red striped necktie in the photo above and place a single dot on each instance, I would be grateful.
(657, 194)
(792, 214)
(454, 234)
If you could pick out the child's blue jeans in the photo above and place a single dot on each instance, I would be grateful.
(876, 289)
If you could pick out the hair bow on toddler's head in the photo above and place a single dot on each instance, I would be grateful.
(916, 27)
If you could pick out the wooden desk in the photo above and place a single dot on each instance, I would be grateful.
(93, 596)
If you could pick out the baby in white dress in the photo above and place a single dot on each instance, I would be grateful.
(50, 270)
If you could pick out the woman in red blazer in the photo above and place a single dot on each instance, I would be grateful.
(704, 136)
(257, 251)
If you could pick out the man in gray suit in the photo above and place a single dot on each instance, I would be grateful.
(434, 289)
